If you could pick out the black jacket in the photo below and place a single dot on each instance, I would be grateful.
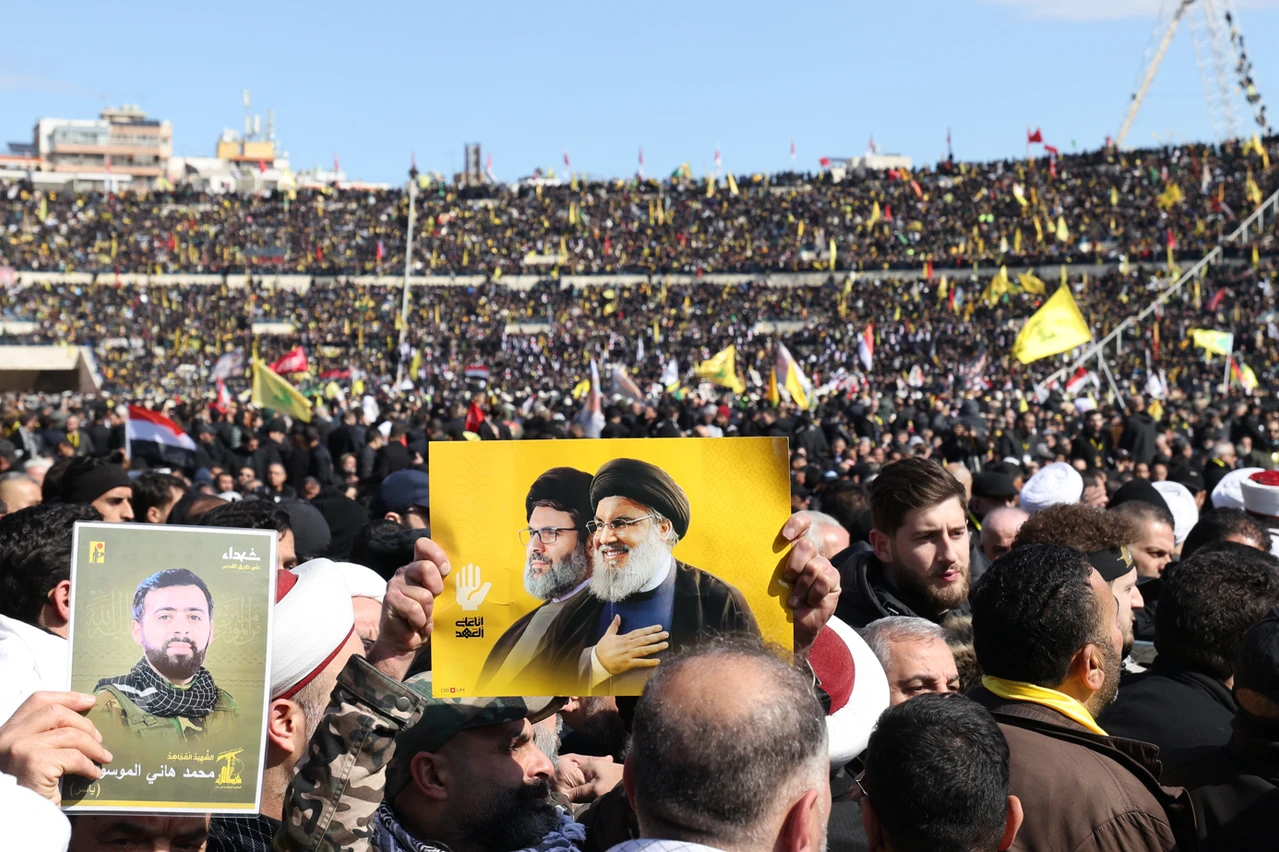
(1235, 789)
(1179, 710)
(868, 596)
(1138, 437)
(390, 458)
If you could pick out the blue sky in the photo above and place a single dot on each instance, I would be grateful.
(373, 82)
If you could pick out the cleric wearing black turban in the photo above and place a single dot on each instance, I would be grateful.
(640, 515)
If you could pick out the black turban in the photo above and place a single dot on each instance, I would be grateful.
(644, 483)
(566, 486)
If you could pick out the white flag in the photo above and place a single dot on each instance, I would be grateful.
(639, 351)
(670, 375)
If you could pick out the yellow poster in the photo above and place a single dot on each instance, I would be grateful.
(577, 566)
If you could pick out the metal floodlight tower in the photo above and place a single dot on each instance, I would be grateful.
(1211, 25)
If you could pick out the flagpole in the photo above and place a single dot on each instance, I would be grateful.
(1105, 368)
(1229, 356)
(408, 266)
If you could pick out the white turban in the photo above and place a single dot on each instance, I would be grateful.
(1056, 483)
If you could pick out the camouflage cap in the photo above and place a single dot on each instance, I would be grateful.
(444, 718)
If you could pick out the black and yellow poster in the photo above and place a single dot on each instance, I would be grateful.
(577, 566)
(170, 631)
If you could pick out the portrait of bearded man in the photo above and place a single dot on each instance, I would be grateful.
(168, 695)
(642, 600)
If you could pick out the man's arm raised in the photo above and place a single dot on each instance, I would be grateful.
(338, 784)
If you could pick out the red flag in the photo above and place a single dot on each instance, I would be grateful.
(914, 184)
(1032, 138)
(888, 212)
(870, 146)
(1215, 301)
(950, 299)
(488, 163)
(608, 246)
(824, 162)
(1154, 341)
(222, 402)
(1052, 167)
(717, 160)
(1052, 150)
(474, 417)
(293, 362)
(319, 255)
(1171, 240)
(381, 250)
(261, 166)
(928, 270)
(566, 165)
(173, 242)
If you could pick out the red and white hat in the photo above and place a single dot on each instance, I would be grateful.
(858, 689)
(1261, 501)
(313, 618)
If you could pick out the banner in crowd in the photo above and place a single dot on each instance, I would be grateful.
(170, 631)
(577, 566)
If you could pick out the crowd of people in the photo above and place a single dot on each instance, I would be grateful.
(1053, 209)
(1024, 617)
(1042, 639)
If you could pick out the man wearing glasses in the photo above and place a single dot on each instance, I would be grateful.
(640, 594)
(557, 569)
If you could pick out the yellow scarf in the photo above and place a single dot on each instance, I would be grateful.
(1015, 690)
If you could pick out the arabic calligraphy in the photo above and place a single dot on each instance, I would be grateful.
(108, 613)
(239, 560)
(472, 627)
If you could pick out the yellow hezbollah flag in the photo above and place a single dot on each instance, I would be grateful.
(1055, 328)
(1032, 284)
(1063, 233)
(732, 184)
(1211, 340)
(788, 373)
(273, 392)
(721, 369)
(874, 216)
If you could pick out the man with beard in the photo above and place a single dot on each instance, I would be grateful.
(557, 569)
(1107, 538)
(641, 595)
(918, 563)
(168, 695)
(1047, 637)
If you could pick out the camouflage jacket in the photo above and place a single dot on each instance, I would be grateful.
(337, 785)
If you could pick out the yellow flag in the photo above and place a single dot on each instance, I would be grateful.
(774, 394)
(721, 369)
(1251, 189)
(1114, 197)
(710, 187)
(832, 254)
(1039, 231)
(1256, 258)
(1211, 340)
(801, 229)
(1056, 327)
(874, 216)
(581, 389)
(1063, 233)
(1032, 284)
(273, 392)
(998, 286)
(1170, 197)
(732, 184)
(1017, 241)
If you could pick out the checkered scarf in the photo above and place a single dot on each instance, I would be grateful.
(158, 697)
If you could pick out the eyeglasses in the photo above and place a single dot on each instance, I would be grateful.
(618, 526)
(547, 535)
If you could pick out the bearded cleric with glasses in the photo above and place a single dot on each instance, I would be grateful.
(638, 600)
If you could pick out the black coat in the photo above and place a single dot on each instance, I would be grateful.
(390, 458)
(1138, 437)
(868, 596)
(1174, 708)
(1235, 789)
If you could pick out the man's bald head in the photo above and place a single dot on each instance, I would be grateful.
(999, 529)
(732, 712)
(965, 477)
(19, 491)
(826, 533)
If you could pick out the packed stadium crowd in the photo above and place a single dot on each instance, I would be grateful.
(1024, 615)
(1068, 208)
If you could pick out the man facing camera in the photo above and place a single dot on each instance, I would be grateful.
(168, 695)
(637, 584)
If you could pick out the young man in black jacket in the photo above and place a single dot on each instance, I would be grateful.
(918, 561)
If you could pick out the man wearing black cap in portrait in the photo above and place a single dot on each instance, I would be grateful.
(640, 594)
(557, 568)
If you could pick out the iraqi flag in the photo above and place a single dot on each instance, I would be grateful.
(866, 347)
(159, 441)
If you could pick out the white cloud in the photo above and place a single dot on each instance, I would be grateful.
(1104, 10)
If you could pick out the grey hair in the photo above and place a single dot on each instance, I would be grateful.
(881, 634)
(1221, 448)
(714, 772)
(672, 538)
(819, 522)
(1004, 511)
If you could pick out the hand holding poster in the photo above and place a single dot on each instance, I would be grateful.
(579, 565)
(169, 631)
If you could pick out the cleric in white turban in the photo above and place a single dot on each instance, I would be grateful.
(1056, 483)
